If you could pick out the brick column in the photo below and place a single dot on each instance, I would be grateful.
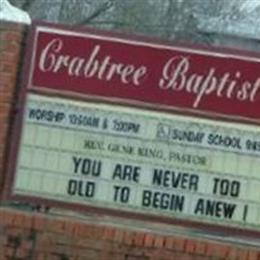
(11, 38)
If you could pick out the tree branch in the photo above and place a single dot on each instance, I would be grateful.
(101, 9)
(119, 23)
(27, 4)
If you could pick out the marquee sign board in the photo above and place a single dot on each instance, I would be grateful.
(141, 129)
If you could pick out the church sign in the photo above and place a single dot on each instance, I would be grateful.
(140, 129)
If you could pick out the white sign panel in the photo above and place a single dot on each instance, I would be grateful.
(140, 161)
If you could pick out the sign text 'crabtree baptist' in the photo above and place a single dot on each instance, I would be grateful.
(130, 160)
(151, 73)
